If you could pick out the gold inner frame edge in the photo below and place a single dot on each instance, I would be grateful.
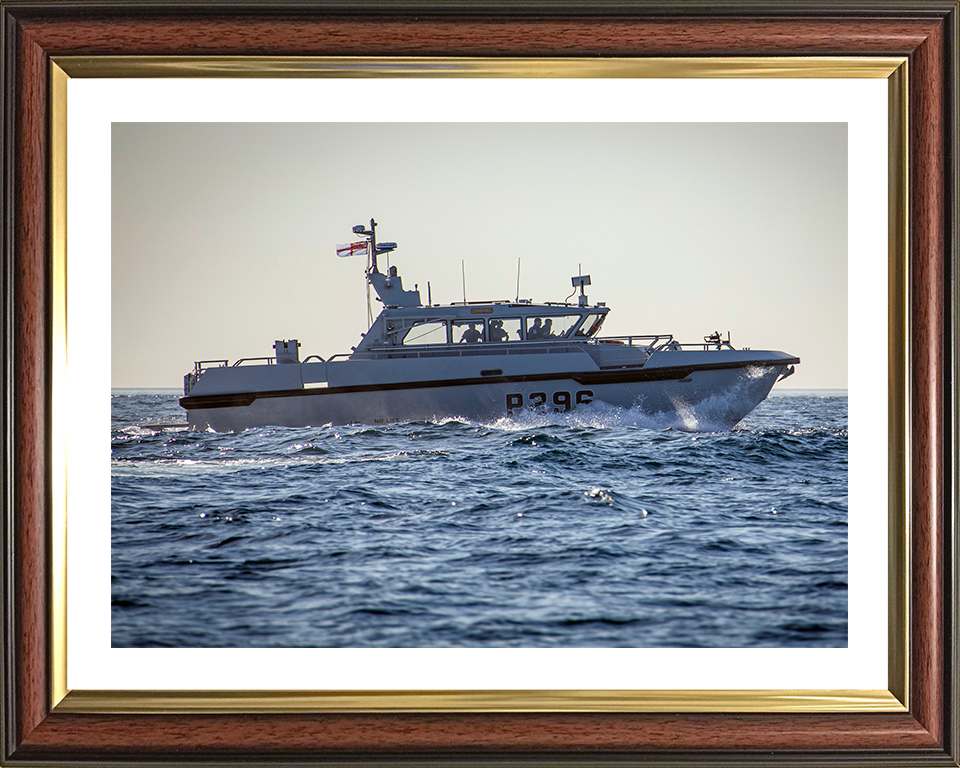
(438, 701)
(441, 67)
(894, 69)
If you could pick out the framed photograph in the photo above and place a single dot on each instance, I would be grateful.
(149, 82)
(389, 491)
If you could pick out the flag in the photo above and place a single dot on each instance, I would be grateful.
(352, 249)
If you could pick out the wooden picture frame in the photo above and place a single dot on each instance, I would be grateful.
(42, 727)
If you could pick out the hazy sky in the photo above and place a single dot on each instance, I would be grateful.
(224, 234)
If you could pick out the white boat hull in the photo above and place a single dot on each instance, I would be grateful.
(481, 361)
(712, 398)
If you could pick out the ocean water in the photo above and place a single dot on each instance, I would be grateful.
(595, 528)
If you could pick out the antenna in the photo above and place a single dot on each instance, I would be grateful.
(579, 282)
(518, 279)
(371, 235)
(373, 250)
(369, 307)
(463, 274)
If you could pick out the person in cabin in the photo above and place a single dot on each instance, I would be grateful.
(535, 331)
(471, 335)
(547, 332)
(497, 333)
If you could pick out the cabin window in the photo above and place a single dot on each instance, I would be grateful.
(468, 332)
(550, 326)
(591, 325)
(504, 329)
(431, 332)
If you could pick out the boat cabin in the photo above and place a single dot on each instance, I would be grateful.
(489, 323)
(406, 322)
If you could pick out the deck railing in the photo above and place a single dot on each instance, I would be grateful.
(647, 342)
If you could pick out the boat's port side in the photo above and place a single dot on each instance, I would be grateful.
(247, 378)
(654, 391)
(313, 373)
(613, 355)
(560, 375)
(476, 360)
(711, 358)
(190, 379)
(254, 374)
(386, 371)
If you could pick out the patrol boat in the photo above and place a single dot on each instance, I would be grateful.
(481, 361)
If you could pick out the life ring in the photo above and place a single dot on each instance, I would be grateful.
(611, 341)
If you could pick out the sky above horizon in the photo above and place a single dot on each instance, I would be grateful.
(224, 235)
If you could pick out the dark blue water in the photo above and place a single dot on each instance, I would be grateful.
(568, 530)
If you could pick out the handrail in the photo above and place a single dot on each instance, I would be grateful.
(465, 346)
(270, 360)
(649, 342)
(460, 350)
(516, 344)
(650, 338)
(703, 346)
(198, 366)
(480, 344)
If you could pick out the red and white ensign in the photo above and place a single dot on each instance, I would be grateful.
(352, 249)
